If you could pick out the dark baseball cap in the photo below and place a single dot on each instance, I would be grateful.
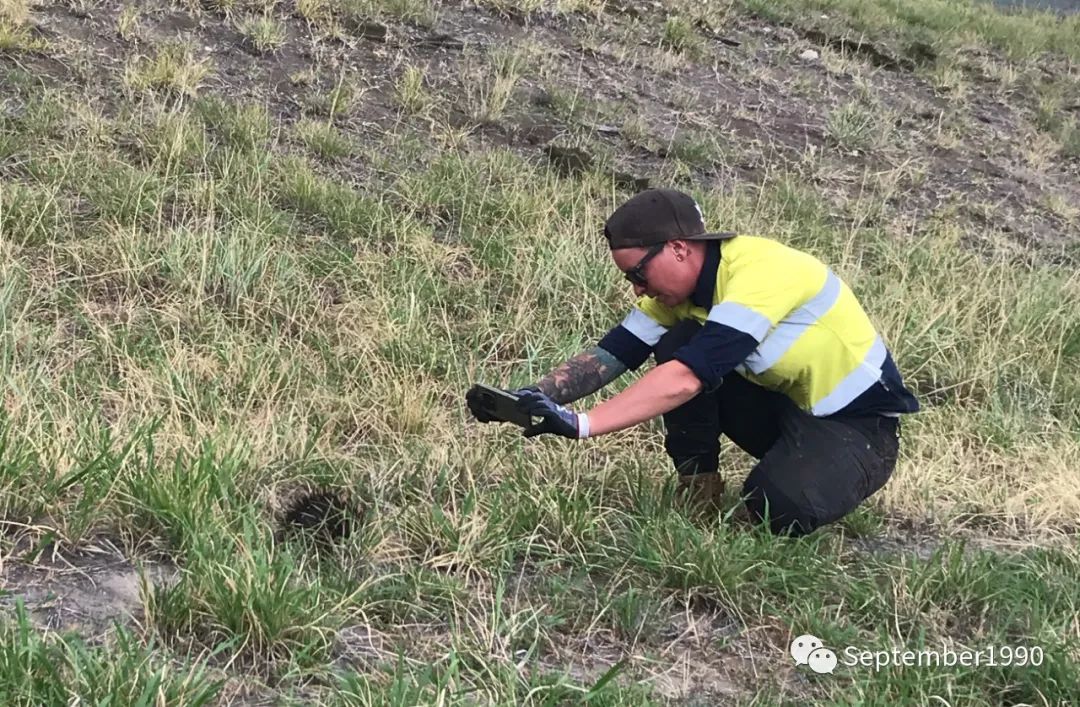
(657, 216)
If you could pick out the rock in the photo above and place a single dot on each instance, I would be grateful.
(366, 29)
(535, 132)
(809, 55)
(922, 53)
(606, 129)
(445, 41)
(568, 160)
(629, 181)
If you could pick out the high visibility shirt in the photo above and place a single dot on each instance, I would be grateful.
(783, 320)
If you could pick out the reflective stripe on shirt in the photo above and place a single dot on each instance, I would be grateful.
(643, 327)
(742, 318)
(867, 374)
(793, 326)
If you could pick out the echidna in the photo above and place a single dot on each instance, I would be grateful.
(326, 515)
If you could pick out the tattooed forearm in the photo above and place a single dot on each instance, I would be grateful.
(585, 373)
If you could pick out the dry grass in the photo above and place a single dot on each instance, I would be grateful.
(174, 68)
(219, 309)
(488, 83)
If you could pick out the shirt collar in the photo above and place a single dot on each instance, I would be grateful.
(706, 283)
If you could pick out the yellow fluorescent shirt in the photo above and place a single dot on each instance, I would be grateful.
(815, 343)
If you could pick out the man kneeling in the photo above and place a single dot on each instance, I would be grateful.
(754, 340)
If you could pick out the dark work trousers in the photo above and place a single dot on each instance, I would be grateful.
(811, 470)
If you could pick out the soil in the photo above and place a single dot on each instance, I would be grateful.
(85, 592)
(764, 107)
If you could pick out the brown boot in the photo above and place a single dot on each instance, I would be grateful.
(704, 490)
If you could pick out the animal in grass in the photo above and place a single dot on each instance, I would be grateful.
(754, 340)
(325, 516)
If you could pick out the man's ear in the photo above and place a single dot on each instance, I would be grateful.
(680, 248)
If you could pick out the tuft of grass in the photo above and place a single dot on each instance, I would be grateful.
(337, 102)
(1053, 120)
(422, 13)
(314, 11)
(857, 126)
(340, 15)
(515, 8)
(173, 69)
(679, 35)
(32, 215)
(15, 12)
(949, 79)
(635, 130)
(39, 667)
(263, 33)
(696, 149)
(411, 93)
(489, 84)
(244, 126)
(127, 22)
(323, 139)
(15, 36)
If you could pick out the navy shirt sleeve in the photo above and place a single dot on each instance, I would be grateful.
(623, 345)
(715, 351)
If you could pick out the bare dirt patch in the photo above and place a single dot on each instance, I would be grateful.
(86, 592)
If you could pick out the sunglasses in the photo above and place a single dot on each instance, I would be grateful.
(636, 274)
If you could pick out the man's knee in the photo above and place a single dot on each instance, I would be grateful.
(692, 433)
(785, 514)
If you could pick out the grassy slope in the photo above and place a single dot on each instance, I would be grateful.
(205, 309)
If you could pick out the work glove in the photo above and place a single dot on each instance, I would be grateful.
(556, 418)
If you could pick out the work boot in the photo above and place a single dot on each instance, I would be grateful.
(699, 484)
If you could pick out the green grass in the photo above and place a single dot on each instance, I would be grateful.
(206, 309)
(488, 82)
(943, 24)
(173, 69)
(263, 33)
(679, 34)
(38, 668)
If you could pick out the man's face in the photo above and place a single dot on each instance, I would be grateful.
(670, 275)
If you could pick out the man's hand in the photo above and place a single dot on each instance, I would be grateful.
(556, 419)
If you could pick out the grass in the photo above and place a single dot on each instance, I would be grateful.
(339, 100)
(206, 309)
(323, 139)
(856, 126)
(1054, 121)
(943, 24)
(411, 92)
(127, 23)
(172, 69)
(37, 669)
(263, 33)
(15, 36)
(678, 34)
(239, 347)
(489, 82)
